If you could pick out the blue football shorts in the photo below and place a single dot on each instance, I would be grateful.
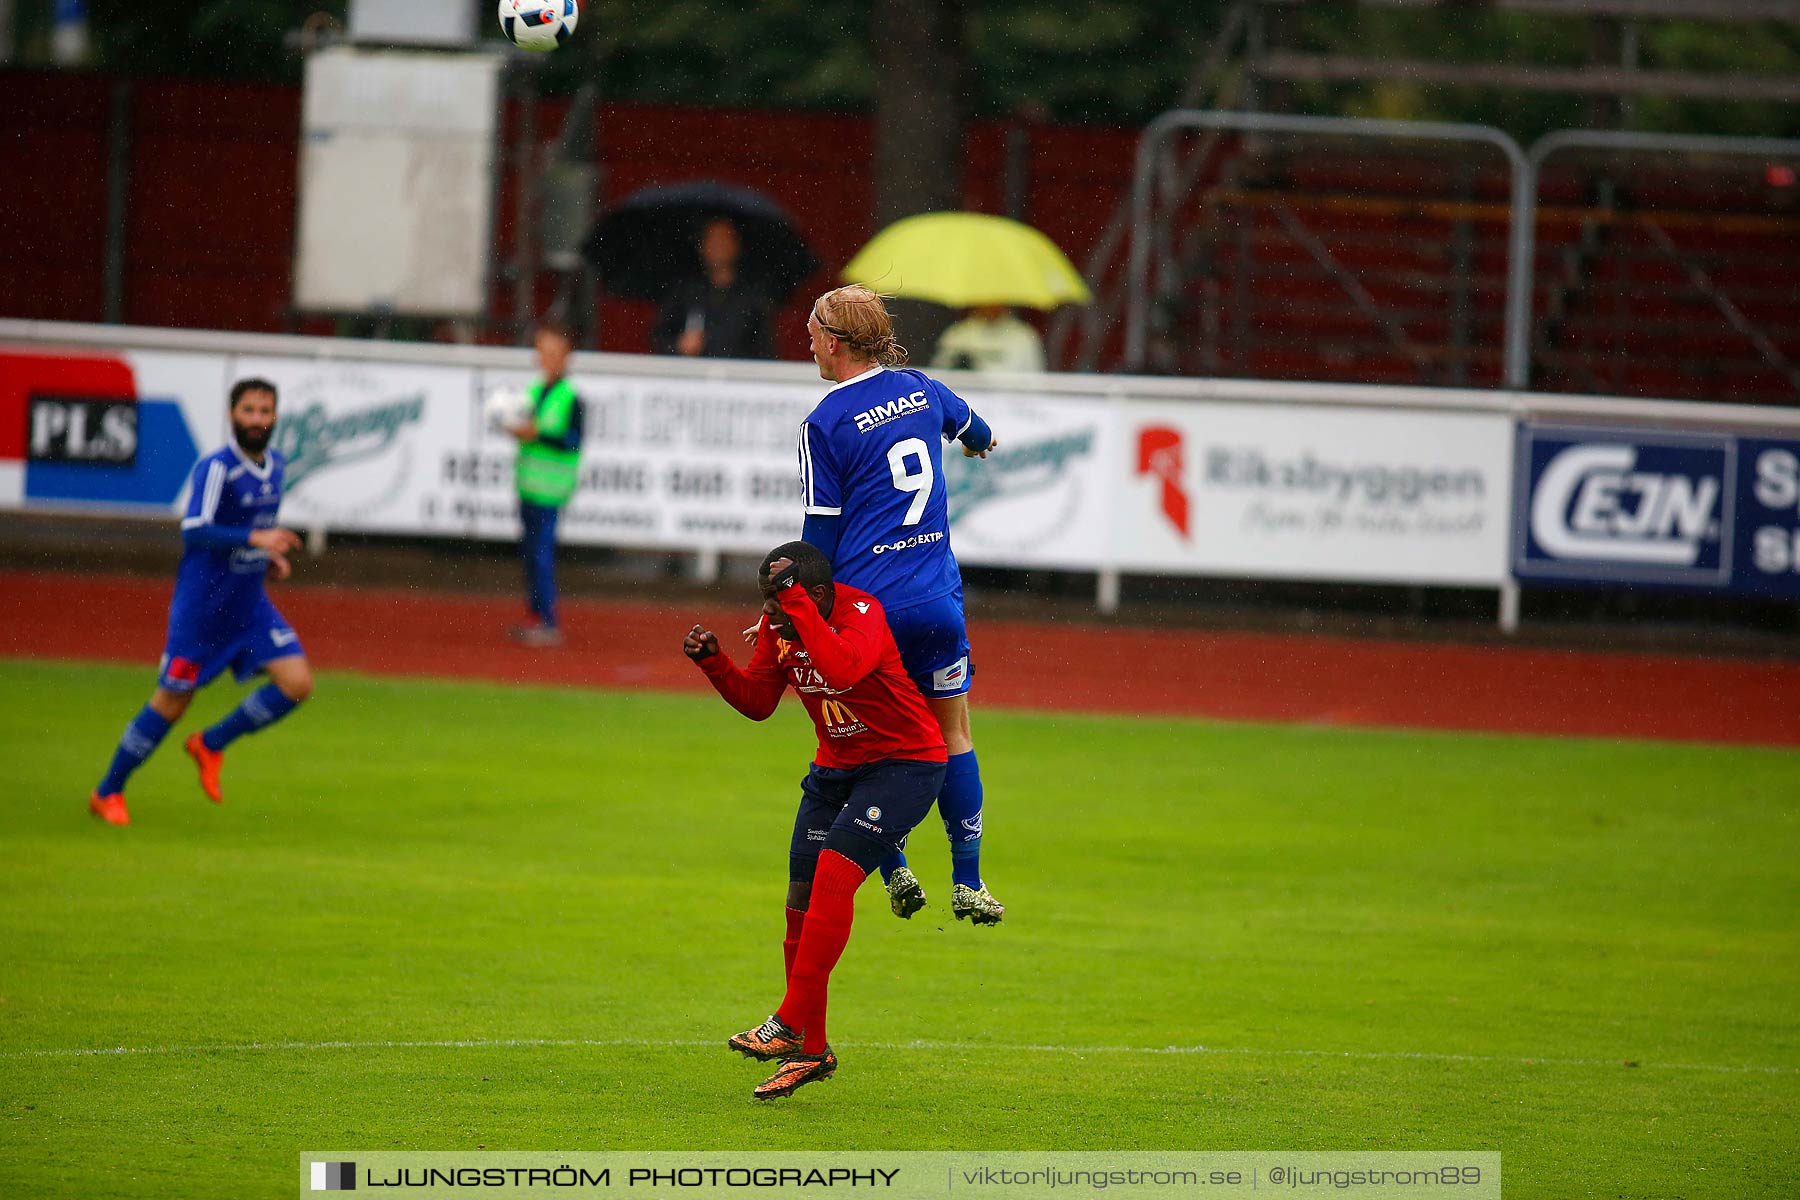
(864, 813)
(934, 645)
(195, 655)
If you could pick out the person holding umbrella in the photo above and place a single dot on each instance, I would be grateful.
(984, 264)
(990, 338)
(721, 314)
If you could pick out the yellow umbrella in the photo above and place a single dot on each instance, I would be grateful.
(964, 259)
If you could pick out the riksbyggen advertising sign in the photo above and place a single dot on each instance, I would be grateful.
(1313, 492)
(1704, 511)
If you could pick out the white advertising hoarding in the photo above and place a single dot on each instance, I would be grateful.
(678, 464)
(1042, 498)
(384, 440)
(365, 441)
(1312, 492)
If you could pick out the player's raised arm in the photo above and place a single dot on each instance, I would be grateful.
(962, 424)
(842, 657)
(755, 691)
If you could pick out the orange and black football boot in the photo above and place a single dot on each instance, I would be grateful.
(770, 1040)
(795, 1072)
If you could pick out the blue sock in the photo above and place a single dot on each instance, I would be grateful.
(260, 709)
(891, 864)
(959, 804)
(140, 740)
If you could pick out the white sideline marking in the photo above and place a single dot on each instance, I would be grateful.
(643, 1043)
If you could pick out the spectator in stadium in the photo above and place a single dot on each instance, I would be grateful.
(990, 338)
(721, 314)
(548, 465)
(878, 768)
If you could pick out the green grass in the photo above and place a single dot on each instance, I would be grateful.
(1386, 941)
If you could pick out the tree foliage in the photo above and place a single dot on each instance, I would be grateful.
(1109, 61)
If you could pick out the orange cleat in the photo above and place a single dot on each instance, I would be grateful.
(209, 762)
(768, 1041)
(796, 1071)
(110, 809)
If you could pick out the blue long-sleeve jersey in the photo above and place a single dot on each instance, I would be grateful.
(872, 480)
(220, 578)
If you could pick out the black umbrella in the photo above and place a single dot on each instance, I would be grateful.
(648, 242)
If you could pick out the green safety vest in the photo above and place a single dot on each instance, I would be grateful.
(546, 471)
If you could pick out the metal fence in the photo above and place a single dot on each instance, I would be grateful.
(1162, 198)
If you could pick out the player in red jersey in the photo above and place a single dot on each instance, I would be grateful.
(879, 768)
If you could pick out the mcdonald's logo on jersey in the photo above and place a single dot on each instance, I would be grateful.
(839, 719)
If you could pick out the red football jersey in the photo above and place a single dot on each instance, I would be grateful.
(848, 673)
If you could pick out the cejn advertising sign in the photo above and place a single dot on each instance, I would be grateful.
(1704, 511)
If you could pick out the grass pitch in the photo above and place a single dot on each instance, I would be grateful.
(439, 916)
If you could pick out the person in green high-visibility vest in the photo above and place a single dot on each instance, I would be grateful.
(549, 459)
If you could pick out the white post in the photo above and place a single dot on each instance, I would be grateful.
(1509, 605)
(315, 541)
(1106, 590)
(706, 565)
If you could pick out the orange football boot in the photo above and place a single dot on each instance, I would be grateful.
(209, 762)
(768, 1041)
(110, 809)
(796, 1071)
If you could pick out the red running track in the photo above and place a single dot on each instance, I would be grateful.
(1090, 667)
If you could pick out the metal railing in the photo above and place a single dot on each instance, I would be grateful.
(1159, 193)
(1145, 194)
(1519, 324)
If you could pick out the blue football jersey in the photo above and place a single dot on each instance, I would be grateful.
(872, 455)
(221, 586)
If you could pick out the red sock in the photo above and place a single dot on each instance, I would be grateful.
(822, 940)
(795, 917)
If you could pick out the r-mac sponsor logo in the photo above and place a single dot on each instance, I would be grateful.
(1611, 503)
(917, 539)
(893, 410)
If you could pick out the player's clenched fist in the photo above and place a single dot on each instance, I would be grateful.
(700, 643)
(275, 541)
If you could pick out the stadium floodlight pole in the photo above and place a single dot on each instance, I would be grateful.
(1518, 300)
(1150, 144)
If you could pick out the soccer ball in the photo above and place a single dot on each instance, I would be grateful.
(538, 24)
(506, 407)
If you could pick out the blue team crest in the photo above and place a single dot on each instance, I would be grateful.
(873, 813)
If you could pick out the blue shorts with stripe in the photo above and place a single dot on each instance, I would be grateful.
(864, 812)
(934, 645)
(195, 655)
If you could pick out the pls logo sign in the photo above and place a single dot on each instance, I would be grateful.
(1624, 506)
(83, 429)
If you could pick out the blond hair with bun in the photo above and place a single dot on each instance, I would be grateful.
(857, 317)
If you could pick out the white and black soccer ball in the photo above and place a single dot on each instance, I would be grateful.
(506, 407)
(538, 24)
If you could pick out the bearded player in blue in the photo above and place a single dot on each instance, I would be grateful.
(872, 479)
(220, 616)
